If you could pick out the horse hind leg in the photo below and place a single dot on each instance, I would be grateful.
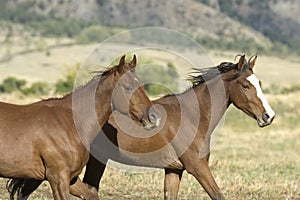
(200, 170)
(78, 189)
(29, 186)
(22, 187)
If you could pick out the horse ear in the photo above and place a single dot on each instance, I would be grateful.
(252, 62)
(121, 64)
(122, 61)
(133, 62)
(241, 63)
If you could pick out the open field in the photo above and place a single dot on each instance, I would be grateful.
(249, 163)
(38, 66)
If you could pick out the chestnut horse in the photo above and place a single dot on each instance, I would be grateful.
(183, 143)
(50, 139)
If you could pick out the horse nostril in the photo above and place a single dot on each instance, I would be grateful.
(266, 117)
(152, 118)
(153, 115)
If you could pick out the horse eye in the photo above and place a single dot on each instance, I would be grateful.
(128, 88)
(246, 87)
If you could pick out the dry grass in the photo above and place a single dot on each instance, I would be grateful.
(40, 67)
(247, 162)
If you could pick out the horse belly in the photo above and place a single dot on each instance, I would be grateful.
(163, 158)
(22, 168)
(19, 159)
(32, 170)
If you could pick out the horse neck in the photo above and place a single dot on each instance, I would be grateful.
(91, 106)
(212, 102)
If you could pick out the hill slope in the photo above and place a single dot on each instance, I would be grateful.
(277, 19)
(259, 21)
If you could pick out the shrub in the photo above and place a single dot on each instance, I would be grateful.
(101, 2)
(38, 88)
(159, 79)
(12, 84)
(66, 85)
(93, 34)
(291, 89)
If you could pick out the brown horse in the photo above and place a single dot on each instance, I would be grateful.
(225, 84)
(183, 142)
(50, 139)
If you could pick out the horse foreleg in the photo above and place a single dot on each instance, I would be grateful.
(171, 183)
(60, 182)
(200, 170)
(93, 172)
(81, 190)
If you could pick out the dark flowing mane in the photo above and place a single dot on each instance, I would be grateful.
(106, 72)
(199, 75)
(100, 76)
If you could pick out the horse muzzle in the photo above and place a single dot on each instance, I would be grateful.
(265, 120)
(152, 119)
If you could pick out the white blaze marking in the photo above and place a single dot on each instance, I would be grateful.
(255, 82)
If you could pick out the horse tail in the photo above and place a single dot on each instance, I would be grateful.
(14, 186)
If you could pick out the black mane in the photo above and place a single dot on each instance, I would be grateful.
(199, 76)
(106, 72)
(100, 76)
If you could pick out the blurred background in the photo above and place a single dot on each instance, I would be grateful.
(44, 42)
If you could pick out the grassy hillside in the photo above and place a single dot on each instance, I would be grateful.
(235, 24)
(267, 18)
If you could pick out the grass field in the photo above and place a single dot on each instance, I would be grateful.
(249, 163)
